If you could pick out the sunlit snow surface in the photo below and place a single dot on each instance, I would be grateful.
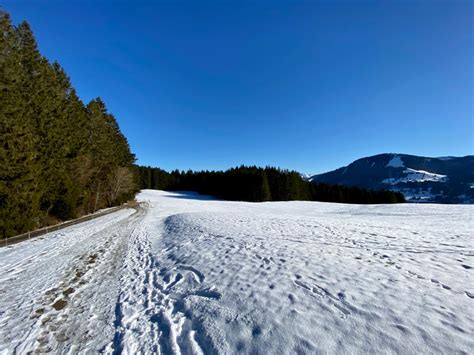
(185, 274)
(413, 175)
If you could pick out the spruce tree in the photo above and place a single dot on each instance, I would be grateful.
(59, 159)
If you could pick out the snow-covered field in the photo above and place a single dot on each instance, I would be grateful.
(186, 274)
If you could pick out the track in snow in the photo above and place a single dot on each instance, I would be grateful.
(150, 315)
(150, 312)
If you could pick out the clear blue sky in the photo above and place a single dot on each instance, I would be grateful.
(305, 85)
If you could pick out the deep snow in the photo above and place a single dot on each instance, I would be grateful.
(188, 274)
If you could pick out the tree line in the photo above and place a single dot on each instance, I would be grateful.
(251, 183)
(59, 158)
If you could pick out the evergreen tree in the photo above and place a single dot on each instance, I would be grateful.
(59, 159)
(18, 190)
(265, 194)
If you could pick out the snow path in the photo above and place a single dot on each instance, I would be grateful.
(185, 274)
(46, 284)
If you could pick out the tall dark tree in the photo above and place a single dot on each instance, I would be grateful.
(19, 170)
(59, 159)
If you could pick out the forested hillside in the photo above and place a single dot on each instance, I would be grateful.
(420, 179)
(250, 183)
(59, 158)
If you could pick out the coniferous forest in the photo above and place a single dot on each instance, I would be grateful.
(60, 158)
(250, 183)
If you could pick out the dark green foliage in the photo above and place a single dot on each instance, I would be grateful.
(348, 194)
(58, 158)
(249, 183)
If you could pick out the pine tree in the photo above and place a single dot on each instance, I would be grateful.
(59, 159)
(18, 192)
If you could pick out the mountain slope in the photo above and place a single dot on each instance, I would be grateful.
(420, 179)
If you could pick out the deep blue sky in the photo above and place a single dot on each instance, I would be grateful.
(306, 85)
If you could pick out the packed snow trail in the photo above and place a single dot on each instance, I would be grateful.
(55, 290)
(187, 274)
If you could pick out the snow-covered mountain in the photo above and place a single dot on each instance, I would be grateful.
(420, 179)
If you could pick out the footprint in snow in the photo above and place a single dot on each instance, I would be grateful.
(319, 291)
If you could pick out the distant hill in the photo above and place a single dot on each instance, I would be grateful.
(420, 179)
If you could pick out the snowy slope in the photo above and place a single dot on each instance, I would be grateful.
(395, 162)
(413, 175)
(187, 274)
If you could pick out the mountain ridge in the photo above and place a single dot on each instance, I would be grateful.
(445, 179)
